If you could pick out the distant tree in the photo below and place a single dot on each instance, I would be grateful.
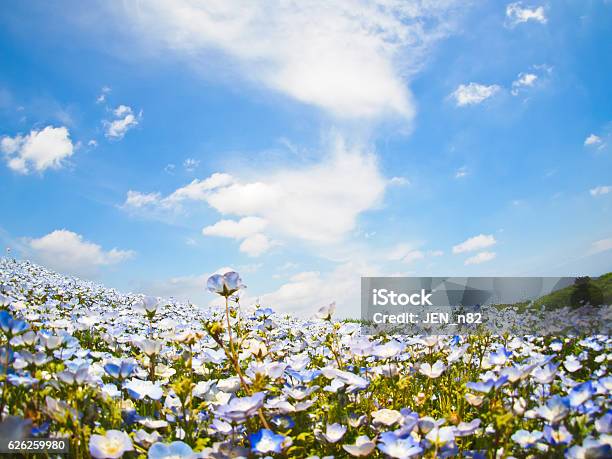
(585, 292)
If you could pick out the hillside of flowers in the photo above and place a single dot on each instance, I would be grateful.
(131, 376)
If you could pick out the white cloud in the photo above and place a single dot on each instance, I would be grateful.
(480, 257)
(399, 181)
(602, 245)
(473, 93)
(592, 140)
(601, 190)
(240, 229)
(125, 119)
(68, 252)
(523, 80)
(103, 93)
(255, 245)
(191, 164)
(475, 243)
(318, 202)
(413, 256)
(39, 150)
(461, 172)
(307, 291)
(136, 199)
(350, 57)
(405, 253)
(516, 13)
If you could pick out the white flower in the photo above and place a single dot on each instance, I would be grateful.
(432, 371)
(363, 447)
(334, 432)
(325, 312)
(111, 445)
(386, 417)
(140, 389)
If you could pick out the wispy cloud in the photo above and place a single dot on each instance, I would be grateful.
(349, 58)
(479, 258)
(475, 243)
(473, 93)
(601, 190)
(516, 14)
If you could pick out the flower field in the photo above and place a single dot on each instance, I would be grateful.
(132, 376)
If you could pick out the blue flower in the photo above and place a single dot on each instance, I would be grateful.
(266, 441)
(226, 284)
(555, 409)
(283, 421)
(560, 436)
(500, 357)
(10, 326)
(174, 450)
(121, 371)
(526, 439)
(580, 394)
(488, 385)
(396, 447)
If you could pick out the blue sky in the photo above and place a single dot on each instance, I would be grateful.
(148, 145)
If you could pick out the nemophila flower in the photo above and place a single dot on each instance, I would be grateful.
(487, 386)
(334, 432)
(557, 436)
(112, 445)
(545, 374)
(146, 439)
(386, 417)
(572, 364)
(25, 380)
(398, 448)
(140, 389)
(580, 394)
(266, 441)
(111, 390)
(554, 410)
(526, 439)
(38, 359)
(263, 313)
(363, 446)
(499, 357)
(11, 326)
(353, 381)
(464, 429)
(388, 350)
(226, 284)
(121, 370)
(75, 377)
(149, 306)
(591, 448)
(241, 408)
(149, 347)
(441, 435)
(603, 425)
(326, 312)
(432, 371)
(283, 422)
(51, 342)
(174, 450)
